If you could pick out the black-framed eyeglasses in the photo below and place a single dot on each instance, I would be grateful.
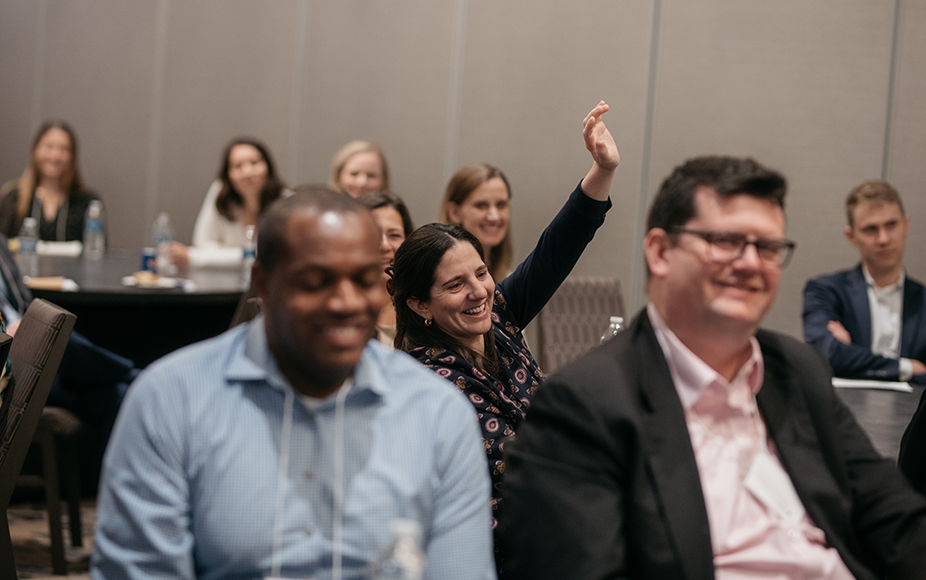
(730, 246)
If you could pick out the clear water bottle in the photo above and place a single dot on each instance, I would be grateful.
(94, 238)
(163, 235)
(248, 254)
(616, 324)
(28, 241)
(403, 559)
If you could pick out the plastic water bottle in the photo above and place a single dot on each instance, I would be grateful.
(403, 559)
(616, 325)
(248, 254)
(94, 238)
(163, 235)
(28, 241)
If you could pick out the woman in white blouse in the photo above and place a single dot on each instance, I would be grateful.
(247, 184)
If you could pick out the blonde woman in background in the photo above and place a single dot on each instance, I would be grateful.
(50, 188)
(359, 167)
(478, 198)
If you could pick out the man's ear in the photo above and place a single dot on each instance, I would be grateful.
(419, 307)
(850, 235)
(454, 213)
(655, 245)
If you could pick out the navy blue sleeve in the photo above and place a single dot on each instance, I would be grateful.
(535, 280)
(851, 361)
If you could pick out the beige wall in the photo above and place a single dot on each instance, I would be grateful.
(829, 92)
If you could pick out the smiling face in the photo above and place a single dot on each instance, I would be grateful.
(390, 222)
(696, 294)
(53, 154)
(484, 213)
(321, 301)
(879, 231)
(363, 173)
(247, 170)
(461, 297)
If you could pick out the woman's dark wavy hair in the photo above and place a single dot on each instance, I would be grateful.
(378, 199)
(229, 200)
(415, 263)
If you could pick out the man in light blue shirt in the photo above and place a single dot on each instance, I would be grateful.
(287, 447)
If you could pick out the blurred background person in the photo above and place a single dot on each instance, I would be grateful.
(478, 197)
(359, 167)
(392, 217)
(246, 185)
(50, 189)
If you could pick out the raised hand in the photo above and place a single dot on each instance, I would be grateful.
(598, 139)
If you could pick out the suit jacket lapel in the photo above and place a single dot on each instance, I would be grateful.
(912, 334)
(791, 427)
(858, 295)
(671, 459)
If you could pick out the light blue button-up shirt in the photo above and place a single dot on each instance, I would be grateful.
(192, 474)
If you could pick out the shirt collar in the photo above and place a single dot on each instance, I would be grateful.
(887, 289)
(252, 362)
(691, 375)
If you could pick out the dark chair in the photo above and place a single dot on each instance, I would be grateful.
(572, 322)
(35, 355)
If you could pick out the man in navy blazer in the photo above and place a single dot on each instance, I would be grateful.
(695, 445)
(869, 321)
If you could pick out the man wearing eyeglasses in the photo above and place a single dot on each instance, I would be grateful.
(868, 321)
(694, 444)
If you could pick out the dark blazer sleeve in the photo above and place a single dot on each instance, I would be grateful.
(560, 246)
(827, 298)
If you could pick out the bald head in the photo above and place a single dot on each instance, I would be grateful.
(272, 247)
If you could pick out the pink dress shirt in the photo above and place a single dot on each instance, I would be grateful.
(749, 538)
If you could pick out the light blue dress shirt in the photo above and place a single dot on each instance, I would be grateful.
(191, 476)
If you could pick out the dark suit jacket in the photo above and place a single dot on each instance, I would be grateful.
(843, 296)
(602, 480)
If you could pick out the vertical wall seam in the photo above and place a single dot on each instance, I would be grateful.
(891, 91)
(38, 73)
(457, 45)
(637, 274)
(295, 113)
(157, 113)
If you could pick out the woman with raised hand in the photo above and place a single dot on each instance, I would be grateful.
(50, 188)
(246, 185)
(454, 318)
(359, 167)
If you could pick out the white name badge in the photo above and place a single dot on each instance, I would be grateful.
(771, 485)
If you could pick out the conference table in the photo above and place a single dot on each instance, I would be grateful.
(139, 323)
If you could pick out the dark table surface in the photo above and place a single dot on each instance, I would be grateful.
(142, 324)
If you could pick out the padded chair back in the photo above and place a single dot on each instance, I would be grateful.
(573, 321)
(35, 355)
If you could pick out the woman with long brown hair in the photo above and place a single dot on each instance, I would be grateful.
(50, 189)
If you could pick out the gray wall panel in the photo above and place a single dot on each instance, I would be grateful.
(380, 71)
(228, 72)
(532, 73)
(791, 85)
(907, 163)
(97, 75)
(21, 25)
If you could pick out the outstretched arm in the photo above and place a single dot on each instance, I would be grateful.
(605, 156)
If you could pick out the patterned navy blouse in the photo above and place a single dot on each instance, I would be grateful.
(502, 402)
